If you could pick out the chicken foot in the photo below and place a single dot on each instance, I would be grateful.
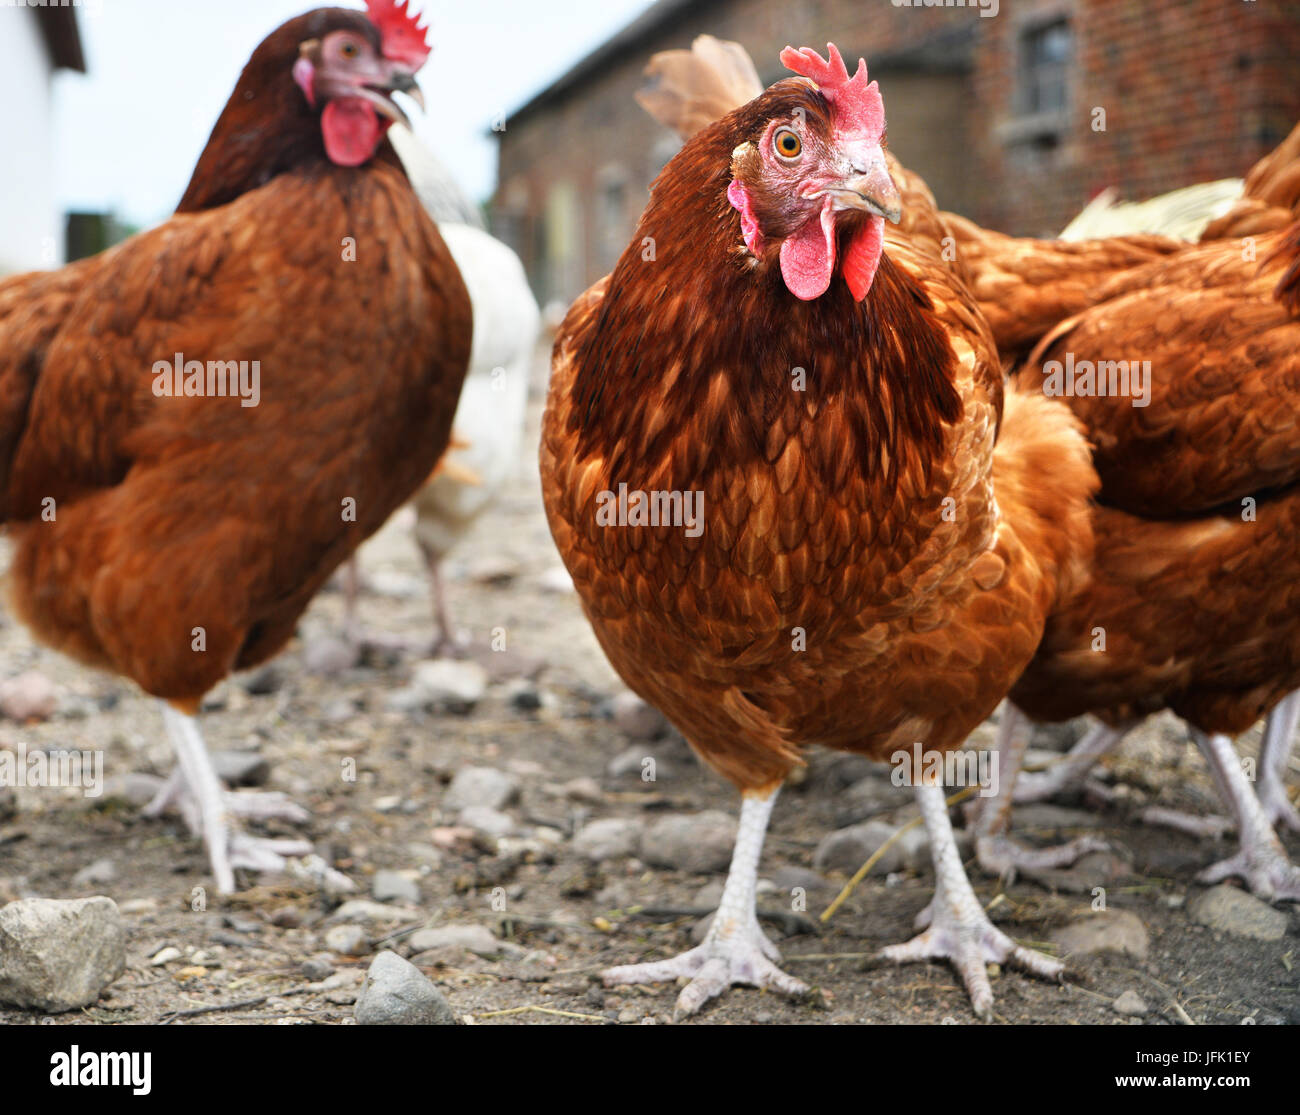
(208, 809)
(1071, 770)
(736, 951)
(1274, 757)
(960, 930)
(1262, 861)
(998, 854)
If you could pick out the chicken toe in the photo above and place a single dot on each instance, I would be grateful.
(959, 929)
(735, 951)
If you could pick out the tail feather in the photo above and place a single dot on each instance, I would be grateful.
(690, 89)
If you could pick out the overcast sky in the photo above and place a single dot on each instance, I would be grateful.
(130, 132)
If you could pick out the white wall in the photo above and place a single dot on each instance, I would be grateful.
(31, 232)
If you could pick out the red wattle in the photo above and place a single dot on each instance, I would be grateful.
(863, 257)
(352, 131)
(808, 255)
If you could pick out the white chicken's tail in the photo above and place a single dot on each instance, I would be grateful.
(690, 89)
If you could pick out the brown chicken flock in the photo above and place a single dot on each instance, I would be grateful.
(906, 519)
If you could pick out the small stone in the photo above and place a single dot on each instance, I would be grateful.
(585, 790)
(480, 786)
(1105, 931)
(263, 681)
(328, 656)
(1130, 1003)
(397, 993)
(393, 886)
(699, 843)
(609, 838)
(556, 579)
(242, 768)
(165, 956)
(483, 819)
(849, 848)
(99, 873)
(29, 696)
(347, 940)
(1228, 910)
(636, 719)
(627, 1014)
(475, 938)
(457, 686)
(317, 969)
(59, 955)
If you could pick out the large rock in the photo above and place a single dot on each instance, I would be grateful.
(1229, 910)
(397, 993)
(699, 842)
(59, 955)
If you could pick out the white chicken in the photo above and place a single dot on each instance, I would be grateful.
(489, 423)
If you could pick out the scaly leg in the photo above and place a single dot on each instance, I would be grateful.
(1070, 770)
(207, 809)
(735, 951)
(959, 929)
(1274, 757)
(1262, 861)
(998, 854)
(445, 643)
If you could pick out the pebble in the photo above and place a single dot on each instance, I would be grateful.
(242, 768)
(1228, 910)
(609, 838)
(99, 873)
(328, 656)
(1105, 931)
(849, 848)
(482, 818)
(263, 681)
(453, 685)
(556, 579)
(585, 790)
(165, 956)
(59, 955)
(475, 938)
(397, 993)
(485, 786)
(393, 886)
(1130, 1003)
(317, 969)
(29, 696)
(636, 719)
(699, 843)
(347, 940)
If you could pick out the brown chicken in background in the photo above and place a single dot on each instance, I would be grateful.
(1195, 589)
(876, 550)
(173, 537)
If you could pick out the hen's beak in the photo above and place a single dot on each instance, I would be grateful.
(872, 190)
(381, 96)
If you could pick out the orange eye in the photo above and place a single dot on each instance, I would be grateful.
(787, 143)
(349, 50)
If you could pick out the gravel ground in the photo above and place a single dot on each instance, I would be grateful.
(365, 751)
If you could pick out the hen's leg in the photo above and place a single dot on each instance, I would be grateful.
(735, 950)
(998, 854)
(959, 929)
(208, 809)
(445, 643)
(1262, 861)
(1274, 758)
(1070, 770)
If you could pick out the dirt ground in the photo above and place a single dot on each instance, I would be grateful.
(560, 919)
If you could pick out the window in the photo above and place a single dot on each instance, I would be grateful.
(1046, 52)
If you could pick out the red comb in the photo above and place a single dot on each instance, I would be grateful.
(402, 35)
(857, 103)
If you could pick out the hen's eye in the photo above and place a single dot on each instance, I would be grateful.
(349, 50)
(787, 144)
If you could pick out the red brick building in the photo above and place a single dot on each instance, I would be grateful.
(1016, 112)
